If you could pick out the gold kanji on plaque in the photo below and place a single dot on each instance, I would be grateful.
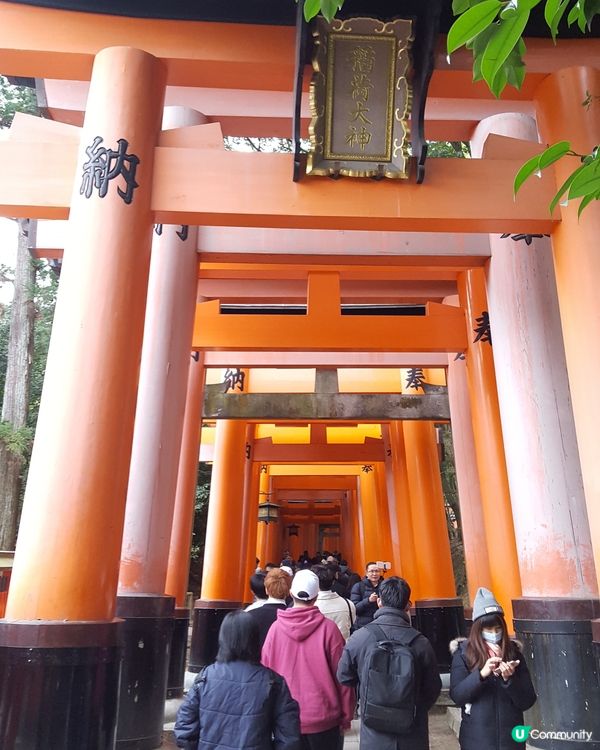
(360, 98)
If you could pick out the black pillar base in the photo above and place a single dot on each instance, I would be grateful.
(59, 685)
(208, 616)
(557, 638)
(146, 637)
(441, 620)
(596, 646)
(179, 643)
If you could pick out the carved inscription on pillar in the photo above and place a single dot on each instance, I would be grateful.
(483, 331)
(106, 164)
(182, 232)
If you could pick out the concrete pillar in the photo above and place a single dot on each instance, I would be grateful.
(64, 581)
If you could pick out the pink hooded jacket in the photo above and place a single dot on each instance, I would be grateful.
(305, 647)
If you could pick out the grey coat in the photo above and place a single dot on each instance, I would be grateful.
(351, 672)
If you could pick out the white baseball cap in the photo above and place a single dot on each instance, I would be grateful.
(305, 586)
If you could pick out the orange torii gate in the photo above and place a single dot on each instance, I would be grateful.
(63, 602)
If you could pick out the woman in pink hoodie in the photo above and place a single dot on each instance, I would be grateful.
(305, 647)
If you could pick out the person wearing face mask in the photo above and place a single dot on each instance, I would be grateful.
(489, 680)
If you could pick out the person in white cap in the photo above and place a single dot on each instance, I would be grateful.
(305, 647)
(489, 680)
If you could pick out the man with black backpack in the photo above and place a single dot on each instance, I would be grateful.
(396, 670)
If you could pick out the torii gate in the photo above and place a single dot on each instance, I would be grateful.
(75, 499)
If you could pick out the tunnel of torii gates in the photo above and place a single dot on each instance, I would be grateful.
(336, 422)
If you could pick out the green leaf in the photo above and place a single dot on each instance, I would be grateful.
(553, 153)
(502, 43)
(516, 75)
(499, 82)
(477, 68)
(459, 6)
(573, 13)
(540, 161)
(590, 10)
(581, 19)
(530, 166)
(563, 189)
(472, 22)
(586, 182)
(329, 8)
(586, 201)
(550, 10)
(553, 20)
(311, 9)
(577, 13)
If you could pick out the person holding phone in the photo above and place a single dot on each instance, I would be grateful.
(489, 680)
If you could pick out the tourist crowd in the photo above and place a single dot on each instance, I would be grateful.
(317, 639)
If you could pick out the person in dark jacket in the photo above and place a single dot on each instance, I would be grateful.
(277, 586)
(391, 616)
(364, 595)
(489, 680)
(236, 702)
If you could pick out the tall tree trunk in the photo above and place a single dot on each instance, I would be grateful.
(15, 404)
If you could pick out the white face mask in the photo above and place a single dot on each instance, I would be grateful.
(491, 636)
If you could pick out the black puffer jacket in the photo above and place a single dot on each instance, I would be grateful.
(353, 667)
(365, 610)
(238, 706)
(490, 707)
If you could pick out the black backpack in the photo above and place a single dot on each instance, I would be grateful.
(390, 674)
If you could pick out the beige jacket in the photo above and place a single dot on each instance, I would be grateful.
(335, 607)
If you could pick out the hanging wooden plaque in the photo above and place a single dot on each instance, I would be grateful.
(360, 98)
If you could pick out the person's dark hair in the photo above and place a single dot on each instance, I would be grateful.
(325, 576)
(476, 650)
(257, 585)
(394, 592)
(370, 563)
(239, 638)
(334, 568)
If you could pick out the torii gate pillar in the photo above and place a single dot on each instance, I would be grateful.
(225, 545)
(59, 653)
